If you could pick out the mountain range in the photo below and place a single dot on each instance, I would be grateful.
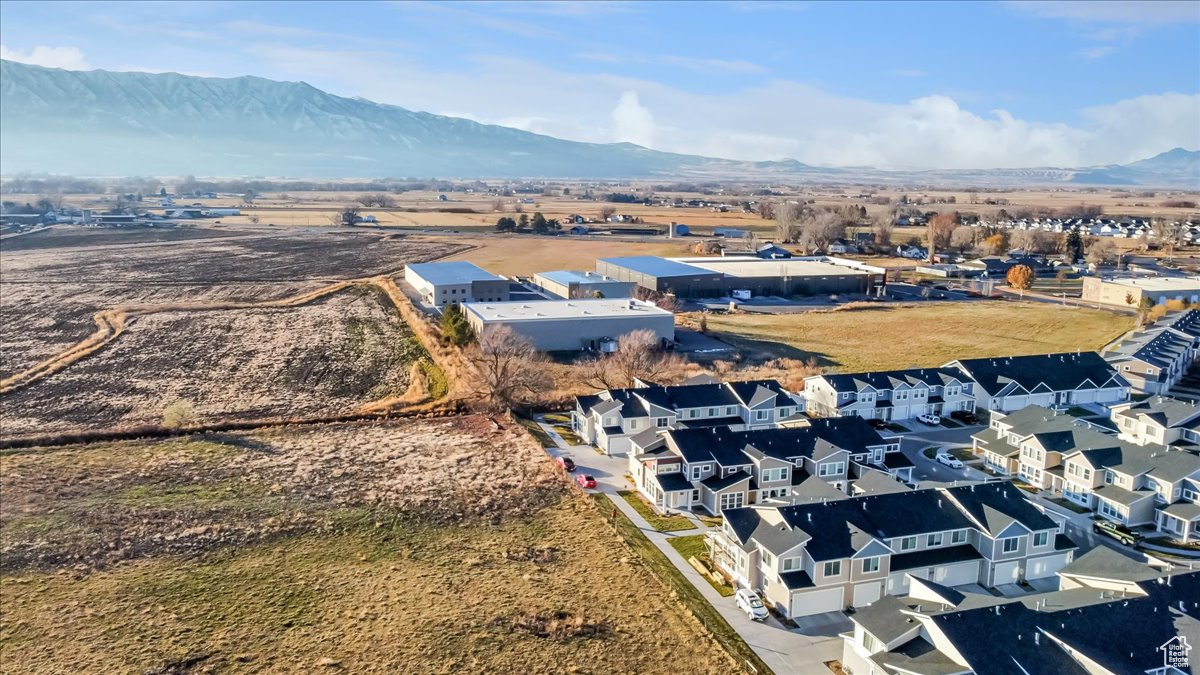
(101, 123)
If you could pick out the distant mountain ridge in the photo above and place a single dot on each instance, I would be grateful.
(99, 123)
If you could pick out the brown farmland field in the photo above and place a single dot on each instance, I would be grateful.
(365, 548)
(324, 358)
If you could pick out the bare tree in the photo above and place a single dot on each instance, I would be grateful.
(787, 221)
(883, 225)
(511, 370)
(639, 356)
(962, 238)
(1101, 251)
(820, 229)
(939, 229)
(606, 211)
(497, 205)
(766, 210)
(1166, 233)
(1029, 241)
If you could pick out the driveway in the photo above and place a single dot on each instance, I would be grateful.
(925, 469)
(786, 651)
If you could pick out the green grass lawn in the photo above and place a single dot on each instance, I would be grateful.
(949, 423)
(541, 436)
(688, 594)
(657, 520)
(1069, 505)
(962, 454)
(692, 546)
(930, 452)
(849, 340)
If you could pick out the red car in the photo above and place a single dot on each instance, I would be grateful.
(565, 464)
(585, 481)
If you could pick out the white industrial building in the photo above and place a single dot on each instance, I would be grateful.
(444, 283)
(568, 284)
(573, 325)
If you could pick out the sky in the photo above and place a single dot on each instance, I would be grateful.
(891, 85)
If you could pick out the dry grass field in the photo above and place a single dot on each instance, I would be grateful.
(525, 255)
(887, 337)
(324, 358)
(408, 546)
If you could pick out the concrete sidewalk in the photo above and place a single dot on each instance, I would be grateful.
(784, 650)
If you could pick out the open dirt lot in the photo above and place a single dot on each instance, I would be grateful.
(407, 546)
(883, 337)
(324, 358)
(525, 254)
(48, 295)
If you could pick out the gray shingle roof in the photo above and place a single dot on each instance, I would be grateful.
(1057, 372)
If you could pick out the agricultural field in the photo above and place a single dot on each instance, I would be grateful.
(333, 354)
(885, 337)
(324, 358)
(364, 548)
(525, 255)
(66, 236)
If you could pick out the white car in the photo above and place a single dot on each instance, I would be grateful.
(749, 602)
(931, 420)
(948, 459)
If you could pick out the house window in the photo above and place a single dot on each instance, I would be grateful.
(695, 495)
(831, 469)
(1010, 545)
(732, 500)
(934, 540)
(767, 558)
(792, 564)
(908, 543)
(769, 475)
(730, 410)
(1041, 538)
(712, 412)
(833, 568)
(696, 472)
(761, 415)
(661, 422)
(958, 536)
(870, 565)
(633, 423)
(870, 643)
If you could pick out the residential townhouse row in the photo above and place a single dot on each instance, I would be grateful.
(720, 468)
(1107, 614)
(824, 557)
(609, 419)
(1155, 358)
(1004, 384)
(1122, 481)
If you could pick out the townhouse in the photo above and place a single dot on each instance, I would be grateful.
(609, 419)
(889, 395)
(824, 557)
(1129, 483)
(1052, 380)
(719, 468)
(1161, 420)
(1155, 358)
(1108, 614)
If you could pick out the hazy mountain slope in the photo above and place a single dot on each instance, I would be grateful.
(104, 123)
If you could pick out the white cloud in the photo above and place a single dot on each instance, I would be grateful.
(1097, 52)
(773, 120)
(1147, 12)
(632, 122)
(68, 58)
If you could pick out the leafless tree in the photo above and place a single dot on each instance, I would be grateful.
(511, 370)
(1101, 251)
(818, 230)
(1166, 233)
(962, 238)
(883, 225)
(787, 221)
(766, 210)
(939, 229)
(379, 199)
(1029, 241)
(606, 211)
(497, 205)
(639, 356)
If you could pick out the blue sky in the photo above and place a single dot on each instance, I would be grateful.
(897, 85)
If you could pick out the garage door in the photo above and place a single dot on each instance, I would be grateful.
(865, 594)
(807, 603)
(619, 445)
(957, 574)
(1005, 573)
(1046, 566)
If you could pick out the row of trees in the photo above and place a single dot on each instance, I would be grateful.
(539, 224)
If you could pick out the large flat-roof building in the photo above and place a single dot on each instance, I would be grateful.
(444, 283)
(572, 325)
(1159, 289)
(715, 277)
(567, 284)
